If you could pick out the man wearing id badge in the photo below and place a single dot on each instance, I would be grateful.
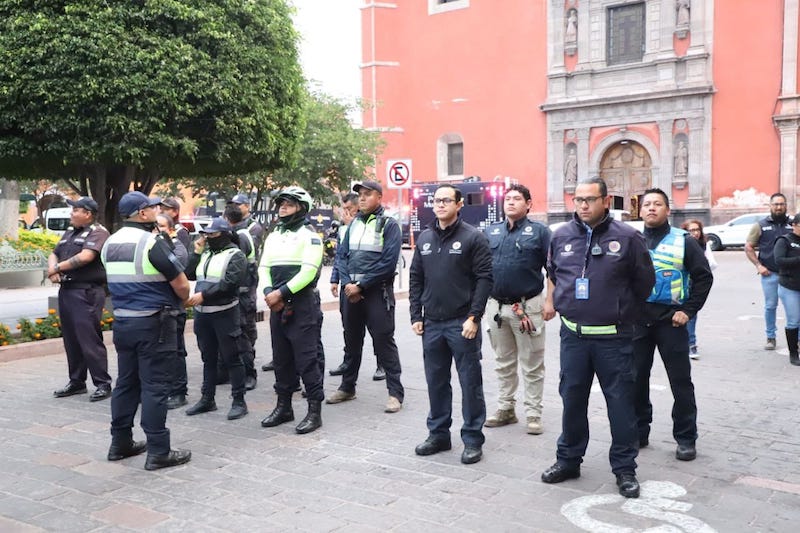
(599, 276)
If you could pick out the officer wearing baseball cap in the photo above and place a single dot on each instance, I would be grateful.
(148, 288)
(75, 264)
(219, 268)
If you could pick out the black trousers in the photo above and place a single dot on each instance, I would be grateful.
(219, 337)
(673, 345)
(376, 314)
(247, 310)
(80, 313)
(295, 346)
(146, 349)
(180, 380)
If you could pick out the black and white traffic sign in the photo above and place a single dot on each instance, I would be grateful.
(398, 173)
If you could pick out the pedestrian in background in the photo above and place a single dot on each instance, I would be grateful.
(449, 283)
(75, 265)
(695, 229)
(763, 235)
(180, 382)
(516, 327)
(171, 208)
(599, 276)
(683, 281)
(148, 290)
(787, 257)
(219, 268)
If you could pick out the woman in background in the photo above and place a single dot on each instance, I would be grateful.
(695, 229)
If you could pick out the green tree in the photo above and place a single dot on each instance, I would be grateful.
(109, 94)
(332, 154)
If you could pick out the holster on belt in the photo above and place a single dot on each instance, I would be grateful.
(166, 314)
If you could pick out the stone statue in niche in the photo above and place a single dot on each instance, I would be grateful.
(571, 33)
(681, 160)
(682, 18)
(571, 168)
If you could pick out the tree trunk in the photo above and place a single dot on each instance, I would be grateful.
(9, 209)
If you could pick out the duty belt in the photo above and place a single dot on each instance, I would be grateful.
(589, 330)
(216, 308)
(511, 301)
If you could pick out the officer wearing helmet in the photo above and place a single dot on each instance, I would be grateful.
(288, 271)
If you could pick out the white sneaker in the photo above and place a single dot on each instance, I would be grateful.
(693, 353)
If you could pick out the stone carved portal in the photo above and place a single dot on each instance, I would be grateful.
(625, 167)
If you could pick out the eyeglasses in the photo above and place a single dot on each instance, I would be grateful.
(578, 200)
(443, 201)
(694, 230)
(782, 204)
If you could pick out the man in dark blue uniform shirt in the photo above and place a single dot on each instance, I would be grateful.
(75, 264)
(148, 289)
(599, 275)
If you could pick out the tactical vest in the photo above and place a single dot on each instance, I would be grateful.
(770, 231)
(672, 281)
(366, 244)
(210, 271)
(137, 288)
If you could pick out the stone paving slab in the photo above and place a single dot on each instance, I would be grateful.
(359, 472)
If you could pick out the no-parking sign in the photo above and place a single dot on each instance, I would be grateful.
(398, 173)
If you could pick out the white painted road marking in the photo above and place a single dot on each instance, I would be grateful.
(654, 503)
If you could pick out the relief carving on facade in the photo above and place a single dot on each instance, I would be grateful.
(570, 169)
(680, 173)
(571, 33)
(682, 18)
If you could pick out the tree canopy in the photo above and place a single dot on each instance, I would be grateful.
(332, 153)
(108, 93)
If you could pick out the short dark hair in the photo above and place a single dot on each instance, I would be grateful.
(450, 186)
(656, 190)
(523, 190)
(777, 195)
(233, 213)
(595, 180)
(350, 197)
(170, 222)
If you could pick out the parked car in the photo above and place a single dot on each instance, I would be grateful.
(733, 233)
(56, 221)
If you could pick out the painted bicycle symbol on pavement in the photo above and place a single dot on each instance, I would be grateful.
(655, 502)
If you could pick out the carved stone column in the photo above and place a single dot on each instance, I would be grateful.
(582, 134)
(788, 130)
(698, 179)
(555, 172)
(664, 180)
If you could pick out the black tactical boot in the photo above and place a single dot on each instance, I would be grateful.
(205, 405)
(313, 419)
(791, 341)
(282, 413)
(238, 407)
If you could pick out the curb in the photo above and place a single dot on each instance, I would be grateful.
(28, 350)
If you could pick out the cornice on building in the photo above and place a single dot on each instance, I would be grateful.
(591, 101)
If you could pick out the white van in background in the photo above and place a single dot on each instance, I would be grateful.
(56, 221)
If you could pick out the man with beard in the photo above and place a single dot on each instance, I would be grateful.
(763, 235)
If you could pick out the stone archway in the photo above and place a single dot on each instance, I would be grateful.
(626, 167)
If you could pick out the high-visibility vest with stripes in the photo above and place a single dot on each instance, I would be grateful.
(365, 245)
(137, 288)
(672, 280)
(244, 234)
(210, 271)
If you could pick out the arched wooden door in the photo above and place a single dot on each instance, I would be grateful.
(625, 167)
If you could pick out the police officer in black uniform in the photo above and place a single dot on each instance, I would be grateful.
(449, 283)
(599, 275)
(148, 288)
(366, 264)
(219, 268)
(247, 292)
(75, 264)
(683, 281)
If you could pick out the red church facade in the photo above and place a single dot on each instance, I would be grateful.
(696, 97)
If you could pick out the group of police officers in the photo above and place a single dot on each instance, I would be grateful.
(619, 295)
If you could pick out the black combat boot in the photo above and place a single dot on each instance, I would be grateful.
(205, 405)
(313, 419)
(238, 407)
(791, 340)
(282, 413)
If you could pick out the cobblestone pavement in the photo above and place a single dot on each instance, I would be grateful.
(359, 472)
